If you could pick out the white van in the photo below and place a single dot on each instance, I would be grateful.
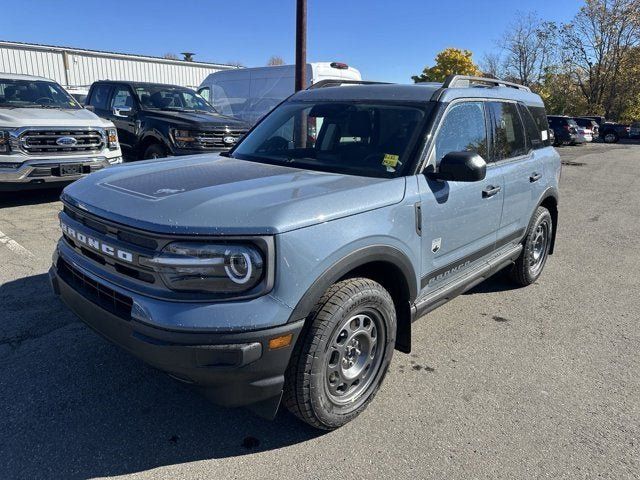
(250, 93)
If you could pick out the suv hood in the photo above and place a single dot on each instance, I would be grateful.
(49, 117)
(200, 119)
(210, 194)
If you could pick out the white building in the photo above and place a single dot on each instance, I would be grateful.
(75, 67)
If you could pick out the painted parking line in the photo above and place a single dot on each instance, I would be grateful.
(14, 246)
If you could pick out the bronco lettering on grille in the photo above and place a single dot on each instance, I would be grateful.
(96, 244)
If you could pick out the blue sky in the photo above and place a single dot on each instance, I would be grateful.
(386, 40)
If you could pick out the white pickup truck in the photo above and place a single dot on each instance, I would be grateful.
(46, 137)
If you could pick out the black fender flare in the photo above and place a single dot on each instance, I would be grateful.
(350, 262)
(157, 137)
(551, 192)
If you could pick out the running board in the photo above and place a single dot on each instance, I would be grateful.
(433, 300)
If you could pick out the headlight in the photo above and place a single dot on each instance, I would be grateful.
(187, 139)
(112, 138)
(214, 268)
(5, 141)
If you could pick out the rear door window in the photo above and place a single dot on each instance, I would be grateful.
(508, 131)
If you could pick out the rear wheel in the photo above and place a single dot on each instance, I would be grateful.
(340, 362)
(154, 150)
(533, 258)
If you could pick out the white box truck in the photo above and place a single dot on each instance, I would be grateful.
(250, 93)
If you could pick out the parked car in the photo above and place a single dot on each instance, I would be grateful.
(611, 132)
(156, 120)
(46, 137)
(292, 266)
(250, 93)
(599, 119)
(565, 130)
(590, 125)
(634, 130)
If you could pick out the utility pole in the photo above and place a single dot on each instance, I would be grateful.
(301, 44)
(300, 122)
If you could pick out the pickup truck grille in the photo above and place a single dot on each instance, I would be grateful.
(61, 142)
(216, 139)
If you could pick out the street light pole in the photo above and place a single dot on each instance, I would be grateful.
(301, 44)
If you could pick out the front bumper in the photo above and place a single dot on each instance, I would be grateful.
(44, 172)
(233, 369)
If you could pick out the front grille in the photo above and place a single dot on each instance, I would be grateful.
(215, 139)
(107, 232)
(95, 223)
(61, 142)
(105, 297)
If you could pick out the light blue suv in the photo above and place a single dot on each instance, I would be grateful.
(291, 267)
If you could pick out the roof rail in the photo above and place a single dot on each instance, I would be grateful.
(465, 81)
(337, 82)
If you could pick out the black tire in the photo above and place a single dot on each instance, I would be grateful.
(610, 137)
(320, 363)
(155, 150)
(529, 265)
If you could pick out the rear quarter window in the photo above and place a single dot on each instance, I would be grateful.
(534, 134)
(540, 117)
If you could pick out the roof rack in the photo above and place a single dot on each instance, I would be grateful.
(465, 81)
(337, 82)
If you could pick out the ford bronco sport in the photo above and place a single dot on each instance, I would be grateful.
(46, 137)
(291, 267)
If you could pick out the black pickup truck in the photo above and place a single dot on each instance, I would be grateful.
(156, 120)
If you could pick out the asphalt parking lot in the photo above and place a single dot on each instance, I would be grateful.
(541, 382)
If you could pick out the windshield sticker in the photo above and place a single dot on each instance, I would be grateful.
(391, 162)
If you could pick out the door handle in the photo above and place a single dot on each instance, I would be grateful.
(490, 191)
(535, 176)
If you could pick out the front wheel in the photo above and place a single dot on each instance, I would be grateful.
(535, 251)
(610, 137)
(154, 150)
(339, 364)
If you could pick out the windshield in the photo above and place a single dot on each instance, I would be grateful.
(34, 94)
(163, 97)
(369, 139)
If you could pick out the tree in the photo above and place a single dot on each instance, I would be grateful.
(275, 60)
(528, 49)
(449, 61)
(599, 39)
(235, 63)
(170, 56)
(491, 65)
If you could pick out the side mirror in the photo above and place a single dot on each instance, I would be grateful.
(123, 112)
(91, 108)
(461, 167)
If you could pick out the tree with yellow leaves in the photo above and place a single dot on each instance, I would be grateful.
(448, 62)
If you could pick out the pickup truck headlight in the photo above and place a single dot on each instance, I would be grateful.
(187, 138)
(225, 268)
(5, 141)
(112, 138)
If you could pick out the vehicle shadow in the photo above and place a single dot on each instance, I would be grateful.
(74, 406)
(30, 197)
(499, 282)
